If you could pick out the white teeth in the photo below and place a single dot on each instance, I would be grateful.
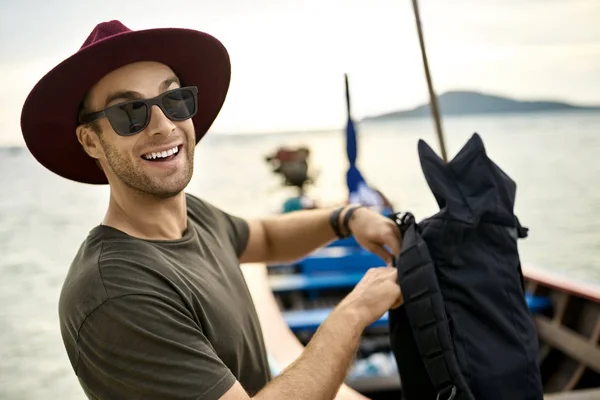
(162, 154)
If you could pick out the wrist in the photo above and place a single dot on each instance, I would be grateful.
(336, 221)
(347, 217)
(352, 314)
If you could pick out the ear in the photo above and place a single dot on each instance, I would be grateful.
(90, 141)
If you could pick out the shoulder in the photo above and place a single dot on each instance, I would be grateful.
(83, 283)
(199, 209)
(208, 215)
(108, 264)
(218, 223)
(129, 341)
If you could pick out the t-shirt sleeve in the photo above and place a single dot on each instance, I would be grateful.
(236, 228)
(145, 347)
(238, 231)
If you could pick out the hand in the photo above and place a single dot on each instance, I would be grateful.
(373, 231)
(347, 393)
(377, 292)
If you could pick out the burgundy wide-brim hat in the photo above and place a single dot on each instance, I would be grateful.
(49, 115)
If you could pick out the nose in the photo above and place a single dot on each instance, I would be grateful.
(159, 123)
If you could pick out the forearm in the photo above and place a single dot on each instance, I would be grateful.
(292, 236)
(318, 373)
(283, 346)
(288, 351)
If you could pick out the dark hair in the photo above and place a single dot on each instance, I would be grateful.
(94, 125)
(85, 109)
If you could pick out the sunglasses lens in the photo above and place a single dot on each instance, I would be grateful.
(133, 116)
(129, 118)
(179, 104)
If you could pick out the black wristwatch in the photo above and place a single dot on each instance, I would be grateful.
(334, 220)
(348, 215)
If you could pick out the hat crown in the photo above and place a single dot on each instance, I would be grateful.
(105, 30)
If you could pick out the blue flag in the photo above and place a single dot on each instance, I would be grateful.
(358, 190)
(353, 177)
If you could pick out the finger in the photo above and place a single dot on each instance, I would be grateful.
(381, 252)
(394, 277)
(398, 302)
(396, 231)
(391, 273)
(392, 242)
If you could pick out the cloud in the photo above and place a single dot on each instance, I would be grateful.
(289, 57)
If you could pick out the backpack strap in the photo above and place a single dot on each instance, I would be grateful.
(428, 323)
(522, 232)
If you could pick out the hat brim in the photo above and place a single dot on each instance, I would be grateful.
(49, 115)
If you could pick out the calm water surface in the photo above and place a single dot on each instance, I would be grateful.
(43, 218)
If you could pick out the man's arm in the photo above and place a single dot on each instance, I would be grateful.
(324, 363)
(292, 236)
(281, 342)
(288, 237)
(318, 373)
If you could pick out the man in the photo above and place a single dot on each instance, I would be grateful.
(154, 305)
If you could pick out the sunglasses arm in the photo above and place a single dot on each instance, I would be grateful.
(91, 117)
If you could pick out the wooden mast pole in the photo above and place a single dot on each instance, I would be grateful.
(432, 97)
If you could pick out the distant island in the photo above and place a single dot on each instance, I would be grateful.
(473, 103)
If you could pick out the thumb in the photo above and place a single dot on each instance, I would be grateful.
(399, 302)
(383, 253)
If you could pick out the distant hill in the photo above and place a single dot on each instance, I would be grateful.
(472, 103)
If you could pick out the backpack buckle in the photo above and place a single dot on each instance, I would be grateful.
(444, 392)
(404, 220)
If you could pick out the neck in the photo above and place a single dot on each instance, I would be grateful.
(146, 217)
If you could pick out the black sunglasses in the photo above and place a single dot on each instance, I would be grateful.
(131, 117)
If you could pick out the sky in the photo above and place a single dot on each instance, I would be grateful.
(289, 56)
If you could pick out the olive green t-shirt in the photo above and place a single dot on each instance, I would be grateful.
(170, 319)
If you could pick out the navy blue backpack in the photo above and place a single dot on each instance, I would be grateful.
(465, 331)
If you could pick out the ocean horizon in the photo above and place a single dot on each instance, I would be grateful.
(16, 141)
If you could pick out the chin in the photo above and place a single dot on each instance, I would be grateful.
(159, 187)
(166, 194)
(163, 189)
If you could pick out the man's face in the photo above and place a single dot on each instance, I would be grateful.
(124, 159)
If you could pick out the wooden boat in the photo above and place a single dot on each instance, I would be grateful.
(569, 331)
(566, 313)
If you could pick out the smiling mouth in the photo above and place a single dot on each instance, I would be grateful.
(161, 156)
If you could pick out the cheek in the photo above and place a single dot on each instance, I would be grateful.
(105, 127)
(188, 127)
(121, 147)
